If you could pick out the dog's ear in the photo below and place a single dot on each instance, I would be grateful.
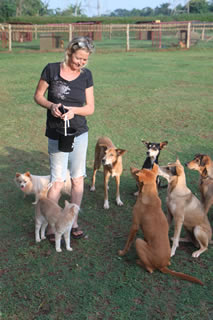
(66, 203)
(134, 172)
(104, 146)
(145, 142)
(120, 152)
(163, 144)
(27, 174)
(204, 160)
(178, 161)
(18, 174)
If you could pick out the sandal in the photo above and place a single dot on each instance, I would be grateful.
(78, 236)
(51, 237)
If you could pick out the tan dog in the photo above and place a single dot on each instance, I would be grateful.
(186, 209)
(204, 165)
(60, 220)
(111, 158)
(154, 251)
(31, 184)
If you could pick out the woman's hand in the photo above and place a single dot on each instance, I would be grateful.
(55, 111)
(69, 114)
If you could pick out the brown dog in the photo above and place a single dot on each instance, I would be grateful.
(154, 251)
(186, 209)
(111, 158)
(204, 165)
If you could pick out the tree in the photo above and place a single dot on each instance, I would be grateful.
(147, 12)
(163, 9)
(198, 6)
(7, 8)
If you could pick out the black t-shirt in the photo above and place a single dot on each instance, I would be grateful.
(68, 93)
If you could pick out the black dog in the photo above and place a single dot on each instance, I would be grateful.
(153, 153)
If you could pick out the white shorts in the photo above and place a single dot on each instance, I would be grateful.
(75, 161)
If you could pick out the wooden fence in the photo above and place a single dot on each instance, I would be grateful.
(17, 32)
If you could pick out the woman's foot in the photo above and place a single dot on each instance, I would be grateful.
(77, 234)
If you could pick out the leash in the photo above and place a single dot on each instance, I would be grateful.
(66, 125)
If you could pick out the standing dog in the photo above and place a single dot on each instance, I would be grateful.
(111, 158)
(154, 251)
(153, 153)
(31, 184)
(60, 220)
(204, 165)
(186, 209)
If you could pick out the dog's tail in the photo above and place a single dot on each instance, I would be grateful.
(181, 275)
(42, 194)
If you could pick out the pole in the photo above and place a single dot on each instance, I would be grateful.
(10, 37)
(127, 37)
(70, 32)
(188, 35)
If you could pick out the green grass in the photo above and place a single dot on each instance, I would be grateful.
(151, 95)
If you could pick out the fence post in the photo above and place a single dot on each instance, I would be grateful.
(70, 32)
(110, 31)
(188, 35)
(203, 33)
(36, 32)
(10, 37)
(127, 37)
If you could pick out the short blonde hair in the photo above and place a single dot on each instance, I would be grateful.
(76, 44)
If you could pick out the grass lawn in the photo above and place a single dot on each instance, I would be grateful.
(151, 95)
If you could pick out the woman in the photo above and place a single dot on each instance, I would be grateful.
(71, 85)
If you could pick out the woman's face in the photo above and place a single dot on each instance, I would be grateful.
(78, 59)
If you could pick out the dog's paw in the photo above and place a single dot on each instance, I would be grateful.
(121, 253)
(196, 254)
(136, 193)
(92, 188)
(69, 249)
(119, 202)
(38, 240)
(106, 205)
(172, 253)
(43, 238)
(58, 250)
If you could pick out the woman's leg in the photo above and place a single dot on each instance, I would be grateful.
(77, 162)
(58, 172)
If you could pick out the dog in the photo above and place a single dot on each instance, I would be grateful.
(186, 209)
(153, 153)
(61, 220)
(32, 184)
(204, 165)
(111, 158)
(154, 251)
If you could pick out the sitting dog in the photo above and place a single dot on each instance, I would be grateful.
(61, 220)
(31, 184)
(186, 209)
(153, 153)
(111, 158)
(154, 251)
(204, 165)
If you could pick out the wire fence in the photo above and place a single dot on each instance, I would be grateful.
(112, 37)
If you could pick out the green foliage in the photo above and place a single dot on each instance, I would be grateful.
(151, 95)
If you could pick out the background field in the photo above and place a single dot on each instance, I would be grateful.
(151, 95)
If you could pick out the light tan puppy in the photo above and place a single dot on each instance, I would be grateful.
(186, 209)
(111, 158)
(60, 220)
(32, 184)
(204, 165)
(154, 251)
